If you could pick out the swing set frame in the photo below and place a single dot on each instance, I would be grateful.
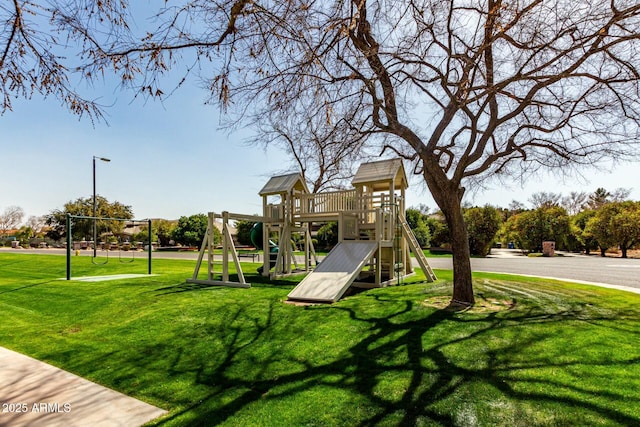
(70, 243)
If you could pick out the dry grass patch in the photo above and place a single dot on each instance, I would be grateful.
(482, 305)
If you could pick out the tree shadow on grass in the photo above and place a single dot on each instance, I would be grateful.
(256, 282)
(30, 285)
(404, 365)
(185, 287)
(434, 379)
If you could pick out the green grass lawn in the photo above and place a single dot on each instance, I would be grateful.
(434, 254)
(531, 353)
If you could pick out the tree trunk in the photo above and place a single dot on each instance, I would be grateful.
(462, 281)
(603, 252)
(623, 248)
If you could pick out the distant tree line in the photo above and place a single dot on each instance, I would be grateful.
(11, 221)
(579, 222)
(431, 230)
(187, 230)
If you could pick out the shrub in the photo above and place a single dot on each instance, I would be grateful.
(416, 221)
(543, 224)
(616, 224)
(191, 230)
(482, 226)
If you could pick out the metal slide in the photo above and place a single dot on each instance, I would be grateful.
(333, 276)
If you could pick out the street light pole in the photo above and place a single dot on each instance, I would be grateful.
(95, 230)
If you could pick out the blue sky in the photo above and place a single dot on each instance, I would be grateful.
(171, 159)
(167, 160)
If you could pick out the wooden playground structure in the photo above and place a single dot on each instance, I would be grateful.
(374, 239)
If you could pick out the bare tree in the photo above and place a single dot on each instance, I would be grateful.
(601, 197)
(516, 206)
(574, 202)
(463, 89)
(10, 219)
(35, 37)
(543, 199)
(620, 194)
(37, 224)
(325, 152)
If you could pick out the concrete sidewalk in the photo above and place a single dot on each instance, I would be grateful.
(33, 393)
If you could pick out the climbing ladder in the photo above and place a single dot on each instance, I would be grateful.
(417, 251)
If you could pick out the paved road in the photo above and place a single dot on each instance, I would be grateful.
(616, 272)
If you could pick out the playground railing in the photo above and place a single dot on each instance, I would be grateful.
(275, 211)
(340, 201)
(374, 224)
(329, 202)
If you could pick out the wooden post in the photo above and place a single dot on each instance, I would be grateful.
(230, 247)
(203, 248)
(208, 246)
(307, 248)
(225, 247)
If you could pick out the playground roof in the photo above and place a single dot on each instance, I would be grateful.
(378, 175)
(284, 184)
